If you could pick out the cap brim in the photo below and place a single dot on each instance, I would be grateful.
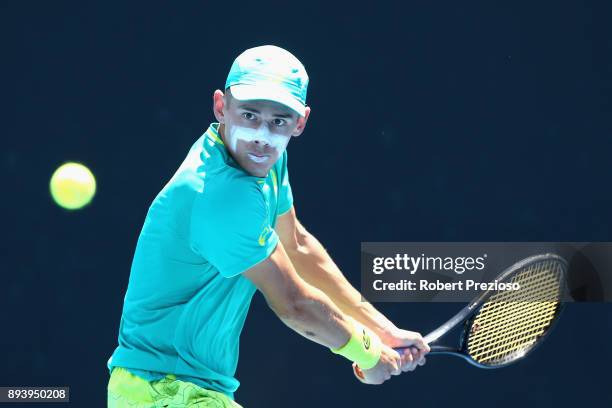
(244, 92)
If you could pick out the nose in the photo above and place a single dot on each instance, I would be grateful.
(261, 142)
(261, 139)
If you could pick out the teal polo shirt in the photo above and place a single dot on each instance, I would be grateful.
(186, 300)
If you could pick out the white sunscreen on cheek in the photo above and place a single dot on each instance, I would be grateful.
(275, 141)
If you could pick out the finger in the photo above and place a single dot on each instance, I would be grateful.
(399, 361)
(422, 361)
(374, 381)
(369, 378)
(409, 366)
(413, 361)
(420, 354)
(407, 360)
(412, 364)
(396, 367)
(420, 343)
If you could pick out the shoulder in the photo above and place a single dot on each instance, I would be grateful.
(231, 184)
(231, 196)
(229, 212)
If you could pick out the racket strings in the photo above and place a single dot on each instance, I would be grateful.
(511, 324)
(511, 321)
(511, 341)
(514, 339)
(508, 323)
(521, 303)
(514, 319)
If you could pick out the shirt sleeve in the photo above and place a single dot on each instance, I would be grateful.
(285, 195)
(230, 226)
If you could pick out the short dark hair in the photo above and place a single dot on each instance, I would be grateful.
(228, 97)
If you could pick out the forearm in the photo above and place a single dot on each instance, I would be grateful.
(317, 268)
(315, 316)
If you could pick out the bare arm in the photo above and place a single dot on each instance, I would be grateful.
(317, 268)
(299, 305)
(310, 312)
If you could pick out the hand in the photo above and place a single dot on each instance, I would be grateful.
(388, 365)
(414, 354)
(411, 358)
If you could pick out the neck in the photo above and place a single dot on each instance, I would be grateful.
(222, 133)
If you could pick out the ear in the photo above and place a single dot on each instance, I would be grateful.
(218, 105)
(301, 123)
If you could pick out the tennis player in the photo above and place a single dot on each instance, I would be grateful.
(223, 227)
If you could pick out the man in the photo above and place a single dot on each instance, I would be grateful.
(223, 227)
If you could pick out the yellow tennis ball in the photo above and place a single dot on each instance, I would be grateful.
(72, 186)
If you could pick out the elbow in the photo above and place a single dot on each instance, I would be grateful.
(299, 316)
(302, 236)
(289, 312)
(299, 244)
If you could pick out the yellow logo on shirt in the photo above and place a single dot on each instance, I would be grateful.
(264, 235)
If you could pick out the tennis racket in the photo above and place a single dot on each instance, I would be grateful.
(502, 327)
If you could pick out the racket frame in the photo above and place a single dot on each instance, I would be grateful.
(468, 314)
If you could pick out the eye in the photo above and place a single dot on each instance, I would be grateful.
(248, 116)
(279, 122)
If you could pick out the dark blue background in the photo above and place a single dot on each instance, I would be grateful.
(436, 121)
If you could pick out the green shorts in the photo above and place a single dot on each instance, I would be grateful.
(128, 390)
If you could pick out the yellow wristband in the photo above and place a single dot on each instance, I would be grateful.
(364, 347)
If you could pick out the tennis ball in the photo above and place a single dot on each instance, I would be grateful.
(72, 186)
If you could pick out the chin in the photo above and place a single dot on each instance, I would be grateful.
(258, 170)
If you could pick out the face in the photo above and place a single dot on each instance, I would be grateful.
(256, 132)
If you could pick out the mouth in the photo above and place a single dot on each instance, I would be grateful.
(258, 158)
